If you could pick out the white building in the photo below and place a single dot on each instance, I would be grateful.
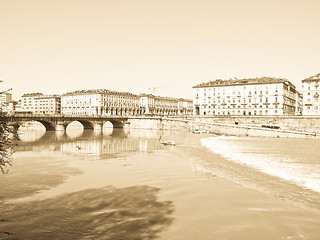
(310, 90)
(299, 103)
(5, 99)
(47, 104)
(253, 96)
(99, 102)
(28, 102)
(185, 106)
(106, 102)
(156, 105)
(9, 107)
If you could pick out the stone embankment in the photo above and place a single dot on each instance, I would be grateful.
(263, 126)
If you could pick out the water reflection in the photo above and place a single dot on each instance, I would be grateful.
(104, 213)
(102, 144)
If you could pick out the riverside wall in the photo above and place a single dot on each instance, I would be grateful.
(289, 126)
(293, 123)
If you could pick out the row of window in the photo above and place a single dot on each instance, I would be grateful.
(260, 112)
(241, 106)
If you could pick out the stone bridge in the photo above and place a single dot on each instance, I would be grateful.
(60, 122)
(290, 126)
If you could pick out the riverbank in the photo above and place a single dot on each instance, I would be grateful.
(171, 192)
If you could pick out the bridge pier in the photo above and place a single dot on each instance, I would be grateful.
(61, 126)
(98, 126)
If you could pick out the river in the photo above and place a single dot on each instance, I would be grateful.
(124, 184)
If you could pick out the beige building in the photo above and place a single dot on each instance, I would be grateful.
(28, 102)
(156, 105)
(5, 97)
(253, 96)
(311, 91)
(299, 103)
(185, 106)
(108, 103)
(99, 102)
(10, 107)
(47, 104)
(37, 103)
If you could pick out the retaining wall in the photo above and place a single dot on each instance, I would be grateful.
(290, 126)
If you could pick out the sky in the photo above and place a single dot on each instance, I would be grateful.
(59, 46)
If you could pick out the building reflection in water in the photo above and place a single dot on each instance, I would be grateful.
(101, 144)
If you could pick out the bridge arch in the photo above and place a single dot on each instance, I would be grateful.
(49, 126)
(86, 124)
(115, 123)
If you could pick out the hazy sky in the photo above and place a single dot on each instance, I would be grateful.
(133, 45)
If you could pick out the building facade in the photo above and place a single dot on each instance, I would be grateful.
(253, 96)
(113, 103)
(311, 92)
(9, 107)
(165, 106)
(28, 102)
(299, 103)
(185, 106)
(5, 101)
(47, 104)
(99, 102)
(5, 98)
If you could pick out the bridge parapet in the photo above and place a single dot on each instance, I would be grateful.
(59, 122)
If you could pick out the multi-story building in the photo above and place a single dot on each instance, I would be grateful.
(299, 103)
(9, 107)
(147, 104)
(156, 105)
(311, 90)
(47, 104)
(106, 102)
(185, 106)
(28, 102)
(99, 102)
(18, 106)
(166, 105)
(5, 98)
(253, 96)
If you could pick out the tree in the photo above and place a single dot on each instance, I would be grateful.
(8, 136)
(6, 142)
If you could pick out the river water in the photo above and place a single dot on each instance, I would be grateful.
(124, 184)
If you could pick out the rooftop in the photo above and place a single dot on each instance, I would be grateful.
(48, 96)
(97, 91)
(312, 78)
(245, 81)
(32, 94)
(105, 91)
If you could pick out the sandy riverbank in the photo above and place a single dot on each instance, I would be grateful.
(181, 192)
